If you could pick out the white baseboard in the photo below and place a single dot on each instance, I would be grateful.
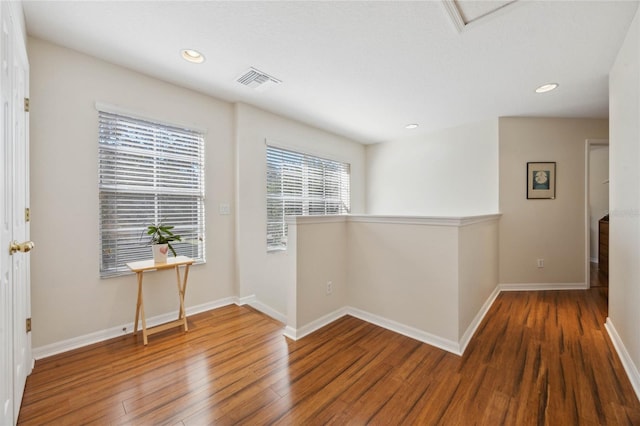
(625, 358)
(211, 305)
(457, 348)
(299, 333)
(471, 330)
(99, 336)
(541, 286)
(246, 300)
(414, 333)
(253, 301)
(290, 333)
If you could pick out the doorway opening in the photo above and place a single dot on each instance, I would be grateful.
(597, 213)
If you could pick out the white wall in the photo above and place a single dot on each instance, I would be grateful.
(624, 225)
(598, 194)
(318, 253)
(260, 273)
(453, 172)
(68, 297)
(552, 230)
(478, 272)
(406, 273)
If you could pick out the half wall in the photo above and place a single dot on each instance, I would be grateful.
(430, 278)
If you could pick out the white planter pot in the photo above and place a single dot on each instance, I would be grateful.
(160, 252)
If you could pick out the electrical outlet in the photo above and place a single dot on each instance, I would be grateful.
(329, 287)
(540, 263)
(224, 208)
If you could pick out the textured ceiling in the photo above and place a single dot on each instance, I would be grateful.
(362, 69)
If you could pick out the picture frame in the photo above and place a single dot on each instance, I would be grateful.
(541, 180)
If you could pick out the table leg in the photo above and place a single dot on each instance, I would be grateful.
(138, 302)
(140, 311)
(182, 287)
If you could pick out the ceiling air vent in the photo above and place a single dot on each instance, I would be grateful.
(257, 79)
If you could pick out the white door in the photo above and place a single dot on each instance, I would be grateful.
(6, 233)
(21, 264)
(15, 343)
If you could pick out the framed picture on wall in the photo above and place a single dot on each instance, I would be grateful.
(541, 180)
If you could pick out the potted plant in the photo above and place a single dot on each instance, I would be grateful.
(161, 238)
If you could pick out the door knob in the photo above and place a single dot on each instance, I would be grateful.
(21, 247)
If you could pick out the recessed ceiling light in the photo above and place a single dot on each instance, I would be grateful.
(192, 56)
(411, 126)
(547, 87)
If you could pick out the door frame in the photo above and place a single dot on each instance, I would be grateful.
(587, 219)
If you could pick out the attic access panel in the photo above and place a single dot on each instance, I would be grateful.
(466, 12)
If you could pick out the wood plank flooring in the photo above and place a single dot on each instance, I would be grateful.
(538, 358)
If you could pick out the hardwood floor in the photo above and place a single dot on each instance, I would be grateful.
(538, 358)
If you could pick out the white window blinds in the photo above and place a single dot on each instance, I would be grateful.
(299, 185)
(148, 173)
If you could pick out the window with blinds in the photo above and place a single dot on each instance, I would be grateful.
(148, 173)
(300, 185)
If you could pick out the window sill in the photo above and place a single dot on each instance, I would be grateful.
(276, 250)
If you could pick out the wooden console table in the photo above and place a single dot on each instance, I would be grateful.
(149, 265)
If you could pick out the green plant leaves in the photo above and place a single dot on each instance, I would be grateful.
(162, 234)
